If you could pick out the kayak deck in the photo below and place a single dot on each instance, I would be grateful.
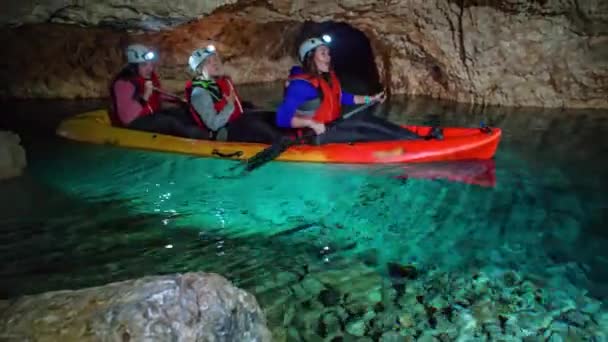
(458, 144)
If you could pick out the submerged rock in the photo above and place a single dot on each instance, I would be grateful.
(426, 336)
(399, 271)
(386, 321)
(511, 278)
(466, 324)
(307, 321)
(576, 318)
(356, 328)
(309, 288)
(279, 334)
(511, 327)
(181, 307)
(293, 335)
(591, 306)
(493, 331)
(602, 320)
(276, 304)
(391, 336)
(534, 338)
(449, 330)
(438, 302)
(312, 285)
(406, 320)
(12, 155)
(329, 297)
(329, 324)
(360, 286)
(555, 338)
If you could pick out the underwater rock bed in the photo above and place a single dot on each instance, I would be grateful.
(356, 303)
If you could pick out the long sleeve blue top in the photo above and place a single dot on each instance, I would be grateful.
(298, 92)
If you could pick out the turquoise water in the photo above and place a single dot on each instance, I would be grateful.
(86, 215)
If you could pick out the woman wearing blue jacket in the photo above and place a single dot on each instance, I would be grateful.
(314, 97)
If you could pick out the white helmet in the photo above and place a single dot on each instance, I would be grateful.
(137, 53)
(199, 55)
(311, 44)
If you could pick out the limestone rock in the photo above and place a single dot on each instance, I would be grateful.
(541, 53)
(96, 55)
(12, 155)
(132, 14)
(182, 307)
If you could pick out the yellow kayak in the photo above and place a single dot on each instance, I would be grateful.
(458, 144)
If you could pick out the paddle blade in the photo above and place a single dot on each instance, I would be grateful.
(268, 154)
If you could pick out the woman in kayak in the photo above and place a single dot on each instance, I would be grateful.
(313, 98)
(216, 106)
(137, 103)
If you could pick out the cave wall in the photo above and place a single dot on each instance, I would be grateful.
(80, 61)
(551, 53)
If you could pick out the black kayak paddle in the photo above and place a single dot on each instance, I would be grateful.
(277, 148)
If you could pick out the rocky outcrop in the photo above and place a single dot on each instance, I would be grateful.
(188, 307)
(541, 53)
(12, 155)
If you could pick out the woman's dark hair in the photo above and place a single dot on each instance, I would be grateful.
(310, 67)
(129, 71)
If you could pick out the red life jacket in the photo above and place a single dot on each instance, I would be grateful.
(149, 107)
(219, 90)
(329, 109)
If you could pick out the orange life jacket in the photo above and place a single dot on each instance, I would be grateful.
(330, 107)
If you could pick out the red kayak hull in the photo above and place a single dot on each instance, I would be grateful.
(457, 144)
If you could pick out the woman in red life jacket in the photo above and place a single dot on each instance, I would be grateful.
(137, 105)
(313, 98)
(215, 104)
